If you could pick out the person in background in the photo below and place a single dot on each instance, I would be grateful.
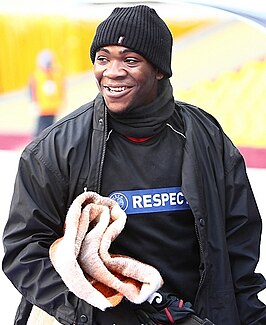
(194, 216)
(46, 89)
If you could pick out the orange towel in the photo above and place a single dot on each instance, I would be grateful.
(82, 258)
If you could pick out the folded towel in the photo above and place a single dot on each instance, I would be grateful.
(82, 257)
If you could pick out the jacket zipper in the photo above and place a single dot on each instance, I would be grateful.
(203, 275)
(103, 152)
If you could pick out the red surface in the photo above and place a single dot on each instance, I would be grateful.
(14, 141)
(254, 157)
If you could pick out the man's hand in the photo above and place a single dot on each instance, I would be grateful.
(164, 309)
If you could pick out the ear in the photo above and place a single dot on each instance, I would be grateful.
(159, 75)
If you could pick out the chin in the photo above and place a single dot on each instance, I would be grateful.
(117, 109)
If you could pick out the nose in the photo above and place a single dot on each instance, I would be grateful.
(114, 69)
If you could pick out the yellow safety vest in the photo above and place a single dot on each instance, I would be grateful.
(48, 90)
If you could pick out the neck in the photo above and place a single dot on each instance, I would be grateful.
(147, 120)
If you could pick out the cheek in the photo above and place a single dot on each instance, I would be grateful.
(97, 79)
(148, 84)
(98, 73)
(149, 90)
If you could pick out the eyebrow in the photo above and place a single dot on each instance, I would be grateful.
(126, 50)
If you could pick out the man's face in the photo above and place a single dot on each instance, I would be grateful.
(125, 78)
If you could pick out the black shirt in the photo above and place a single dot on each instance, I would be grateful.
(144, 177)
(159, 231)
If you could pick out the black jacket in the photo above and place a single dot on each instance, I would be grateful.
(69, 156)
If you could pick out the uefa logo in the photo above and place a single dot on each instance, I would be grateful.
(120, 199)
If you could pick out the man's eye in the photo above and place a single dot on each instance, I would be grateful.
(131, 61)
(101, 58)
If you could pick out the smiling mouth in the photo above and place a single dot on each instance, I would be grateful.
(116, 89)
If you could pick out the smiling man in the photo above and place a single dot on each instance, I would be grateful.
(125, 78)
(191, 213)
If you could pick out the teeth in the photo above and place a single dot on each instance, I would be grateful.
(116, 89)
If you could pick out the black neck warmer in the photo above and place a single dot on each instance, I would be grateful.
(148, 120)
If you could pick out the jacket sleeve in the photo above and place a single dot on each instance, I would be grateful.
(36, 220)
(243, 233)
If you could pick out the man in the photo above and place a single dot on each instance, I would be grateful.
(46, 89)
(183, 184)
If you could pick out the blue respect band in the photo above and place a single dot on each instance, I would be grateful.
(151, 200)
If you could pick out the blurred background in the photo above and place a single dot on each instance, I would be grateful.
(219, 64)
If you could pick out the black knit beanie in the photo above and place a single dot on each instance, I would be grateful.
(140, 29)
